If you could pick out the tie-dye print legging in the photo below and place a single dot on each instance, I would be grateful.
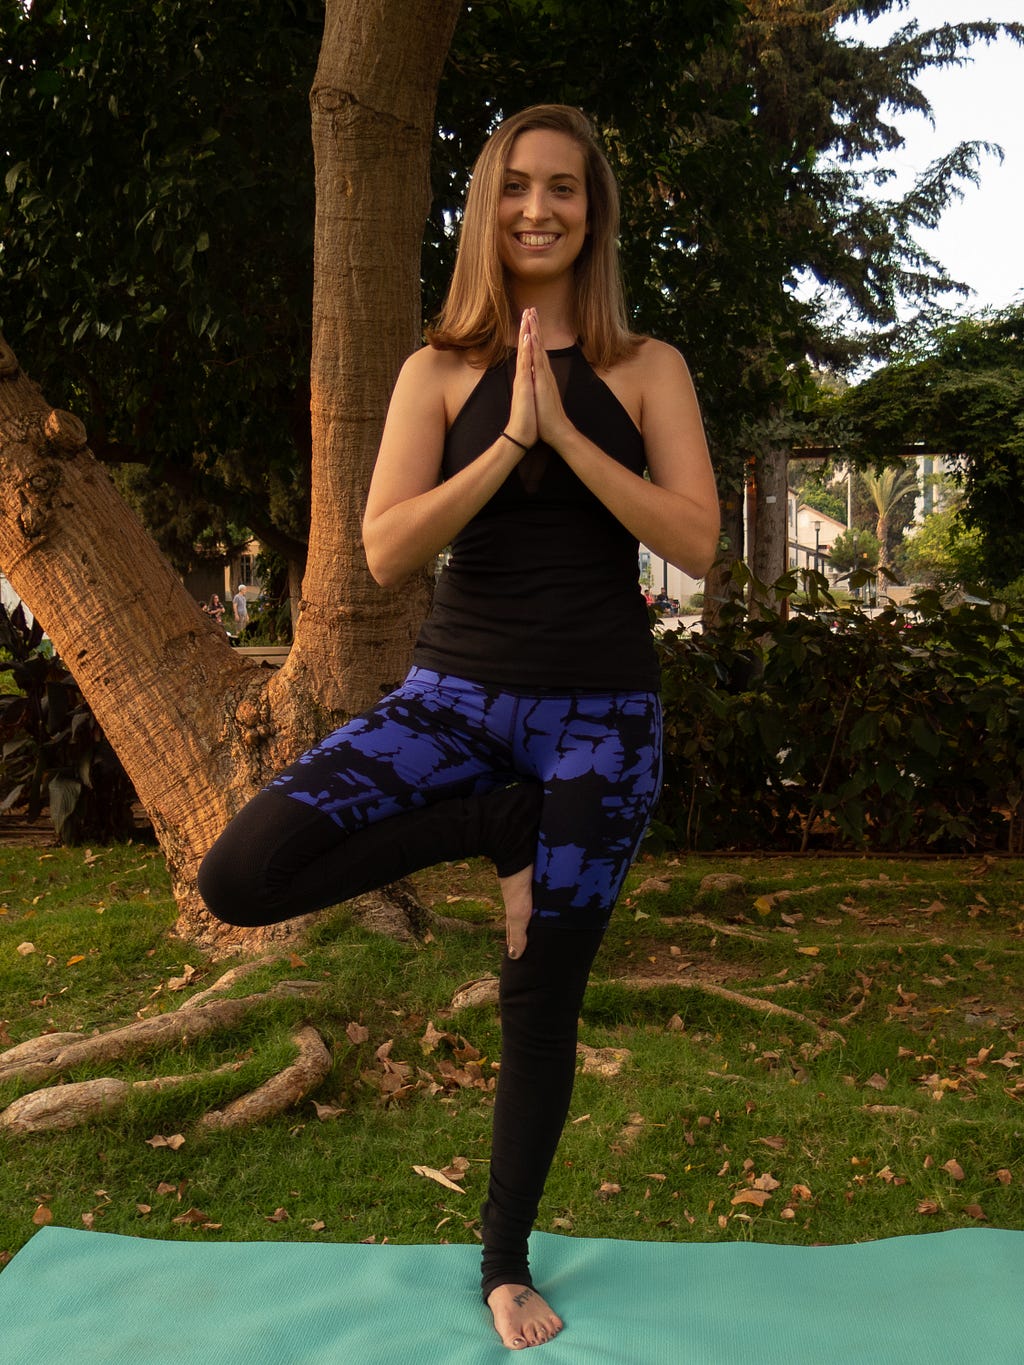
(408, 766)
(442, 769)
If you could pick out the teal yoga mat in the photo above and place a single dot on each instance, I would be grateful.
(71, 1296)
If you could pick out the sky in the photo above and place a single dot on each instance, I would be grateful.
(979, 239)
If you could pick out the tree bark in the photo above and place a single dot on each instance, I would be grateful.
(197, 728)
(769, 558)
(372, 107)
(717, 583)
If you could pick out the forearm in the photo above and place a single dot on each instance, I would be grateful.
(404, 536)
(679, 527)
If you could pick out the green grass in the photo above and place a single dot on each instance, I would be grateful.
(918, 965)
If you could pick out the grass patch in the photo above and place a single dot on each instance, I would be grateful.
(911, 1120)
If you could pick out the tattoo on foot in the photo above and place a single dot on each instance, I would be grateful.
(521, 1297)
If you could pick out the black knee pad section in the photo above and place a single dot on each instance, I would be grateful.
(509, 820)
(540, 998)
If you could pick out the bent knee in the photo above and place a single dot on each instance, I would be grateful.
(230, 891)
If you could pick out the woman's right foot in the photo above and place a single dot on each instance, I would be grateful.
(517, 893)
(521, 1316)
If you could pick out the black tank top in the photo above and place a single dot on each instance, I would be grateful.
(541, 590)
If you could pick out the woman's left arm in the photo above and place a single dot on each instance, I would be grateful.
(675, 513)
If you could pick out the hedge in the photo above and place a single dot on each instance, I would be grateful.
(812, 724)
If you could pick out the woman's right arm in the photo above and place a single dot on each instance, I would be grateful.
(410, 514)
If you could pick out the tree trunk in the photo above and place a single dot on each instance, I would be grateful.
(769, 555)
(372, 110)
(717, 590)
(197, 728)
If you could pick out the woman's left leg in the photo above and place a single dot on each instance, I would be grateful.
(600, 760)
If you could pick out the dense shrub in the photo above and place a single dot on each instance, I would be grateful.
(813, 725)
(53, 754)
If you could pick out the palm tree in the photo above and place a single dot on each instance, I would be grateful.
(886, 488)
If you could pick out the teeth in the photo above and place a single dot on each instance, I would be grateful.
(538, 238)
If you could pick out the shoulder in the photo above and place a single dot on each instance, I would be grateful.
(652, 375)
(658, 361)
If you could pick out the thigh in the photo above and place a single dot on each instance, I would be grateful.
(599, 757)
(421, 743)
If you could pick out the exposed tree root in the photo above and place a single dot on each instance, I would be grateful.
(827, 1037)
(70, 1105)
(40, 1058)
(282, 1091)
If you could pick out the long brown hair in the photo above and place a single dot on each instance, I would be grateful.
(477, 314)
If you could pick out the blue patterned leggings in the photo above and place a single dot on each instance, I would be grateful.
(400, 787)
(443, 769)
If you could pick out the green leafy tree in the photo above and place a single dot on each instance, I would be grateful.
(855, 548)
(157, 248)
(961, 393)
(943, 553)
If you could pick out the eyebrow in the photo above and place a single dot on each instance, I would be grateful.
(558, 175)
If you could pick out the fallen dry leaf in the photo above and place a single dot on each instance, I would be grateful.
(74, 961)
(877, 1082)
(278, 1216)
(326, 1111)
(158, 1140)
(1004, 1176)
(456, 1168)
(756, 1197)
(429, 1173)
(42, 1216)
(178, 983)
(608, 1189)
(25, 948)
(809, 952)
(194, 1218)
(144, 1208)
(766, 1182)
(954, 1168)
(357, 1033)
(928, 1206)
(976, 1211)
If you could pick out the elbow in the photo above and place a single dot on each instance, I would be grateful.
(696, 557)
(702, 559)
(383, 569)
(383, 573)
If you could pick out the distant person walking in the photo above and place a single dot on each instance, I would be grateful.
(240, 607)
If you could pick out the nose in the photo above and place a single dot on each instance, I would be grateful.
(535, 207)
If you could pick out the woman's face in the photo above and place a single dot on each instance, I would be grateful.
(542, 213)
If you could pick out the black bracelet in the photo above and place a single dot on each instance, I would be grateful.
(514, 441)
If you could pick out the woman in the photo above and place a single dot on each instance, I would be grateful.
(520, 436)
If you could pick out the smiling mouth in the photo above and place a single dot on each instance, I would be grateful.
(537, 238)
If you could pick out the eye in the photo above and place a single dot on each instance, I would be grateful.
(513, 186)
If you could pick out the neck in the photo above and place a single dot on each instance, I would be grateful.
(555, 305)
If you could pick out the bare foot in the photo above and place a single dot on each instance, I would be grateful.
(517, 893)
(521, 1317)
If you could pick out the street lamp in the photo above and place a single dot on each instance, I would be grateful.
(817, 546)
